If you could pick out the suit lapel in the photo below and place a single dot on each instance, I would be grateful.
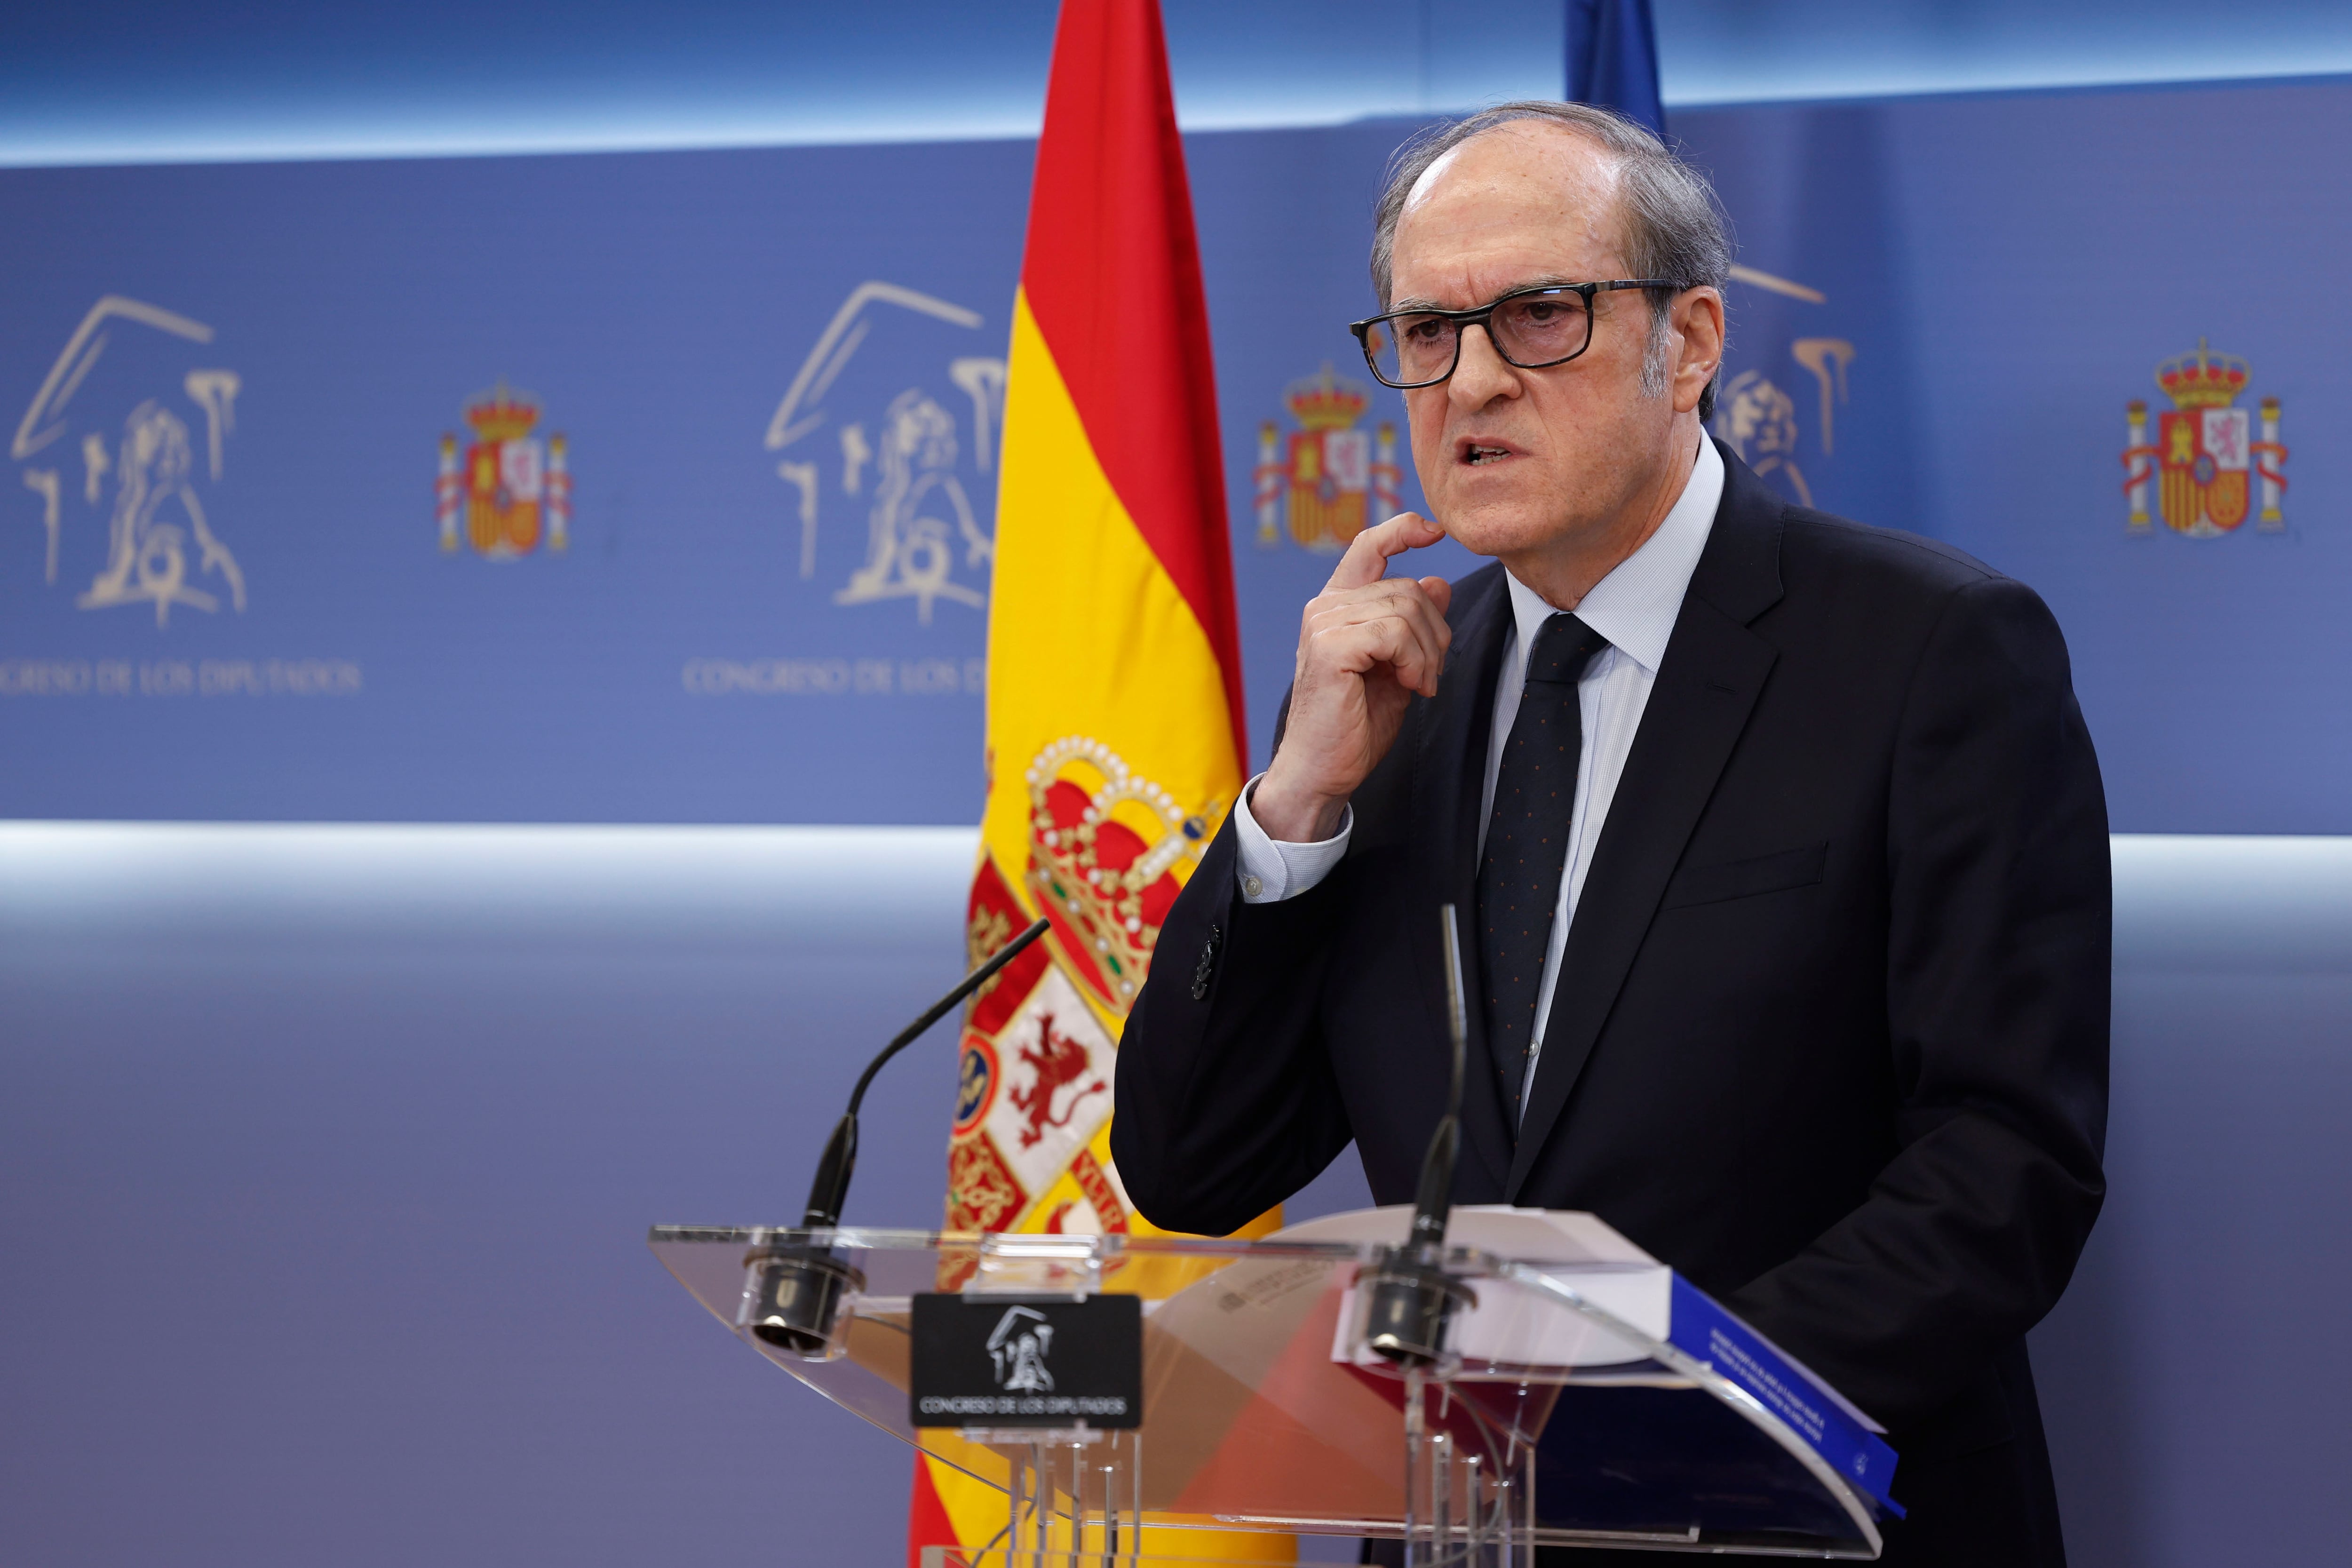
(1448, 777)
(1707, 686)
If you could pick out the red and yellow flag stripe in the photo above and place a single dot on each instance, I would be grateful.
(1114, 727)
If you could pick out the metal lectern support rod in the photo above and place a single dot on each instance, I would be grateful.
(1040, 1501)
(1415, 1458)
(1441, 1497)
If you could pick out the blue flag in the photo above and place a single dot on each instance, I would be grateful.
(1613, 58)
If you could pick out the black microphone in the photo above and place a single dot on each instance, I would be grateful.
(1410, 1300)
(799, 1288)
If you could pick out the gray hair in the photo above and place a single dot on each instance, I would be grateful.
(1674, 227)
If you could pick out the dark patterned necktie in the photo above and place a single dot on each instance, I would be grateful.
(1526, 843)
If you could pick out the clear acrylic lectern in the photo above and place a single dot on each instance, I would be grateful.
(1259, 1415)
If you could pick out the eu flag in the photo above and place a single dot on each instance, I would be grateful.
(1613, 58)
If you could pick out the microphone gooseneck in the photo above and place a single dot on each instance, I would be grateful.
(830, 1188)
(796, 1289)
(1409, 1300)
(1435, 1203)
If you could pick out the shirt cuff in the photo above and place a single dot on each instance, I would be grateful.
(1270, 870)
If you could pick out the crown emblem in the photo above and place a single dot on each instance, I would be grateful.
(1104, 849)
(2210, 463)
(1333, 477)
(2202, 380)
(1324, 402)
(511, 486)
(501, 414)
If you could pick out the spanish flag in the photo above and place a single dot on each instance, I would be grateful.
(1115, 721)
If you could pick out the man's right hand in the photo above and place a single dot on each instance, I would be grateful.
(1367, 644)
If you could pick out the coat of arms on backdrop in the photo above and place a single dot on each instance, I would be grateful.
(2204, 458)
(514, 489)
(1331, 477)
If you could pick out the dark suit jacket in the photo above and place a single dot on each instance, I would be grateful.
(1831, 1032)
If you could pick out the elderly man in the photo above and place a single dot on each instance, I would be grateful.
(1783, 834)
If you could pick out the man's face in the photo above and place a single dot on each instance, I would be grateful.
(1511, 459)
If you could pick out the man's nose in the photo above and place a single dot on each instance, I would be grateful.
(1480, 374)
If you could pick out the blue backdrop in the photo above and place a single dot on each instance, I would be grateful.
(771, 604)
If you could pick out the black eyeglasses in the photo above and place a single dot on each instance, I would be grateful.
(1531, 328)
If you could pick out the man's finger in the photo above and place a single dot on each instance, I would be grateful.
(1390, 596)
(1359, 636)
(1412, 660)
(1384, 598)
(1367, 555)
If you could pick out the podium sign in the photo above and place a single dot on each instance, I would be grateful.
(1018, 1362)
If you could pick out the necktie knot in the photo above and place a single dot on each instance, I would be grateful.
(1564, 647)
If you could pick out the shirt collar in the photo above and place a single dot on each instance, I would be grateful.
(1635, 605)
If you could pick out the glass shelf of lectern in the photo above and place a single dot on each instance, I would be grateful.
(1252, 1422)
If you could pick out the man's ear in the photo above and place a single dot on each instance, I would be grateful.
(1698, 328)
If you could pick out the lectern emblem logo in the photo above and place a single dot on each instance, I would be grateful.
(1018, 1348)
(2205, 459)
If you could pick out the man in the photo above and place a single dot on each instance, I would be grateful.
(1778, 841)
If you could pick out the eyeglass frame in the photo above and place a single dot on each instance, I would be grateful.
(1483, 316)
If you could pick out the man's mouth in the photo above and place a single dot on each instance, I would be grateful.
(1477, 452)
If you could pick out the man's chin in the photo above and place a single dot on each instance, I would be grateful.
(1497, 530)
